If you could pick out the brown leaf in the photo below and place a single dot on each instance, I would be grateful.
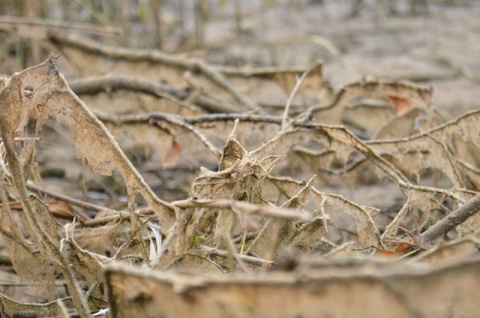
(173, 155)
(402, 105)
(397, 251)
(59, 209)
(16, 205)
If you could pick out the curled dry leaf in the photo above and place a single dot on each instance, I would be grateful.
(410, 96)
(54, 99)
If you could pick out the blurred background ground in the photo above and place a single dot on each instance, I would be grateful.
(435, 45)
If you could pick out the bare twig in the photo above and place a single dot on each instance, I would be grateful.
(154, 119)
(70, 200)
(193, 65)
(30, 306)
(182, 96)
(122, 215)
(392, 228)
(89, 28)
(111, 82)
(244, 207)
(429, 238)
(222, 81)
(245, 258)
(291, 97)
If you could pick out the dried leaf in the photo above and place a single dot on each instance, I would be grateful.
(173, 155)
(402, 105)
(332, 289)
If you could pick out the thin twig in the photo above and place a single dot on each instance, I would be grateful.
(247, 259)
(223, 82)
(26, 139)
(442, 227)
(110, 82)
(117, 216)
(154, 119)
(89, 28)
(244, 207)
(72, 201)
(33, 305)
(193, 65)
(290, 98)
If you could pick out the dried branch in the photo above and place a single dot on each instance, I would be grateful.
(429, 238)
(154, 119)
(192, 65)
(7, 303)
(70, 200)
(117, 216)
(34, 22)
(417, 96)
(112, 82)
(222, 81)
(246, 208)
(291, 97)
(245, 258)
(267, 71)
